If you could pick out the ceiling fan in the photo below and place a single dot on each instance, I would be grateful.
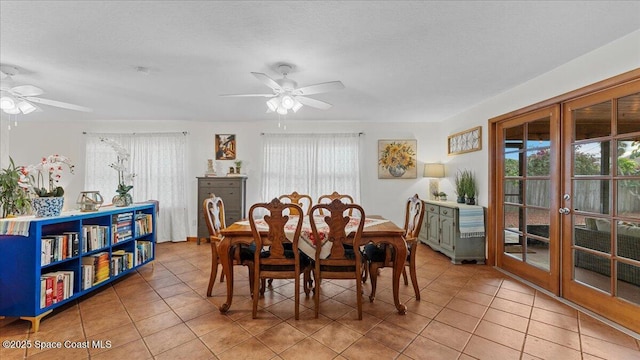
(288, 96)
(20, 99)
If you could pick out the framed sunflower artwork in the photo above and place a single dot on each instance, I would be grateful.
(397, 159)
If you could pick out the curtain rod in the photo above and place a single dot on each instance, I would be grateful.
(359, 134)
(141, 133)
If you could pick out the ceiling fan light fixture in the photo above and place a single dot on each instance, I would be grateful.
(287, 102)
(272, 104)
(281, 110)
(7, 103)
(26, 107)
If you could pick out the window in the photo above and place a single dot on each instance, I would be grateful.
(158, 160)
(313, 164)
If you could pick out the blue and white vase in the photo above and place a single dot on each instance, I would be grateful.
(47, 206)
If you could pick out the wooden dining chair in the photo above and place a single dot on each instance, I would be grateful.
(304, 201)
(213, 210)
(347, 199)
(277, 262)
(382, 256)
(343, 262)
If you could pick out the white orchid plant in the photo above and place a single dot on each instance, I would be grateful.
(125, 177)
(32, 178)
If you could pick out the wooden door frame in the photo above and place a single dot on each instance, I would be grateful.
(494, 196)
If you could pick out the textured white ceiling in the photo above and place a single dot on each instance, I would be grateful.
(399, 60)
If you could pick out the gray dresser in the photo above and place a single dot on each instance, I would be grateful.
(232, 190)
(441, 231)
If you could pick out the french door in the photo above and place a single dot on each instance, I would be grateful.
(527, 185)
(601, 203)
(567, 199)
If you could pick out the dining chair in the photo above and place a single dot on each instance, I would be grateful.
(335, 195)
(382, 256)
(343, 262)
(304, 201)
(213, 210)
(278, 262)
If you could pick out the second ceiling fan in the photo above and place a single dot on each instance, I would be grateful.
(288, 96)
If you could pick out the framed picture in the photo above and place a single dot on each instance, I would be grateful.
(225, 146)
(465, 141)
(397, 159)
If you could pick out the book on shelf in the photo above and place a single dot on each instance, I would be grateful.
(56, 287)
(144, 251)
(144, 224)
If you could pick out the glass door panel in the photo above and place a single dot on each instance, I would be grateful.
(528, 170)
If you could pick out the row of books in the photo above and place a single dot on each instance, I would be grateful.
(59, 247)
(121, 229)
(144, 224)
(121, 261)
(94, 237)
(55, 287)
(144, 251)
(95, 269)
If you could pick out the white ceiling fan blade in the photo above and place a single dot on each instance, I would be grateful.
(268, 81)
(27, 90)
(319, 88)
(3, 75)
(59, 104)
(248, 95)
(313, 103)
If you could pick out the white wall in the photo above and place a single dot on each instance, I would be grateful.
(31, 141)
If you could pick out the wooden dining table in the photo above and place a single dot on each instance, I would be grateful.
(380, 233)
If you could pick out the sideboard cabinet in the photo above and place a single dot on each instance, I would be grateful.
(232, 190)
(48, 262)
(441, 231)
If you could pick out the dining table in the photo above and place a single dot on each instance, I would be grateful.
(377, 230)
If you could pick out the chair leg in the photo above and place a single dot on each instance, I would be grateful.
(263, 283)
(256, 291)
(365, 272)
(414, 280)
(297, 297)
(221, 277)
(251, 279)
(359, 293)
(316, 294)
(214, 268)
(373, 275)
(305, 281)
(404, 275)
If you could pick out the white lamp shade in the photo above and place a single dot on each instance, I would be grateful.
(12, 111)
(6, 103)
(272, 104)
(433, 170)
(281, 110)
(296, 106)
(26, 107)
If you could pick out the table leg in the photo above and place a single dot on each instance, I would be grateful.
(398, 266)
(214, 268)
(226, 261)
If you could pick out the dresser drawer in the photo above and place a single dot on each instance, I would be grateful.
(220, 183)
(445, 211)
(433, 209)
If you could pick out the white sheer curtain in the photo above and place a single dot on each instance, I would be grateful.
(158, 160)
(313, 164)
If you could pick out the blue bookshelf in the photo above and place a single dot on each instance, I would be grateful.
(45, 269)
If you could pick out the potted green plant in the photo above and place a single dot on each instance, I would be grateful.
(436, 194)
(470, 187)
(443, 196)
(238, 164)
(13, 197)
(460, 187)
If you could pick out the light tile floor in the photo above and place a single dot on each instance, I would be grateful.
(466, 312)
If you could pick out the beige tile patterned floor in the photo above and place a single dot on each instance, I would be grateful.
(466, 312)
